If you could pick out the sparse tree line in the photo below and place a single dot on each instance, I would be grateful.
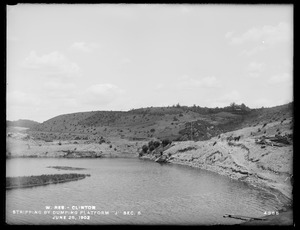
(233, 107)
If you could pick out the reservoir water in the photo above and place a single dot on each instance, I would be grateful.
(131, 191)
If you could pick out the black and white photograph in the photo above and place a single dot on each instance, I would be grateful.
(149, 114)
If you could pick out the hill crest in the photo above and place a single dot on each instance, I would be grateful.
(172, 122)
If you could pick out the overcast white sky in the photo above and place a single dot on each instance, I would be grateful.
(74, 58)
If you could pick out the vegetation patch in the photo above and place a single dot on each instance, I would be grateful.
(32, 181)
(65, 168)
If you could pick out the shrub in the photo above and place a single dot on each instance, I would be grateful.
(145, 148)
(151, 148)
(101, 141)
(165, 142)
(156, 144)
(150, 143)
(152, 130)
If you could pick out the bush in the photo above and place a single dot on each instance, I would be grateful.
(150, 143)
(101, 141)
(152, 130)
(151, 148)
(165, 142)
(145, 148)
(156, 144)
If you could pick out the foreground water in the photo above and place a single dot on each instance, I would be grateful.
(131, 191)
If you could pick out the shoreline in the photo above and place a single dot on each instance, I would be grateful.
(270, 190)
(285, 216)
(133, 155)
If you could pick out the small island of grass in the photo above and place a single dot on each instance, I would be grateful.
(32, 181)
(65, 168)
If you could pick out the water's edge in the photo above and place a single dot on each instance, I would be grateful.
(287, 201)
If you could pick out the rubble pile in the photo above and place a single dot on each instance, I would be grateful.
(277, 140)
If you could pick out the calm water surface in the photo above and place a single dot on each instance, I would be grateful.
(153, 193)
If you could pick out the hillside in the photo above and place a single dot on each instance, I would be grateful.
(22, 123)
(178, 123)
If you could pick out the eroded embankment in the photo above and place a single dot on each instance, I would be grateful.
(268, 166)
